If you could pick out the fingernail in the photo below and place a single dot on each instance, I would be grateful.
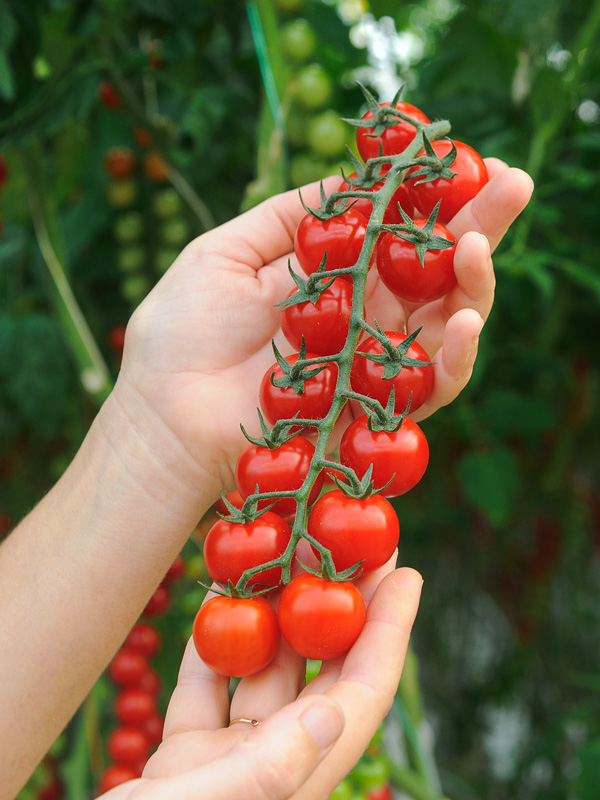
(323, 723)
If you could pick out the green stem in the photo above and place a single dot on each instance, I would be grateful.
(409, 782)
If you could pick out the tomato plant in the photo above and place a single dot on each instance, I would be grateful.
(341, 237)
(320, 618)
(393, 139)
(236, 636)
(323, 323)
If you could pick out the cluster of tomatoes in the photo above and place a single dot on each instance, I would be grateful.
(352, 529)
(140, 723)
(3, 179)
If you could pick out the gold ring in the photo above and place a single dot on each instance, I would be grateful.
(254, 722)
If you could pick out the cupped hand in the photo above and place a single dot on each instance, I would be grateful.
(309, 738)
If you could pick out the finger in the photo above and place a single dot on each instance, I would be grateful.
(494, 166)
(453, 361)
(273, 761)
(495, 207)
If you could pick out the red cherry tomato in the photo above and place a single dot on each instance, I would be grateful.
(342, 237)
(231, 548)
(116, 775)
(236, 636)
(392, 216)
(127, 745)
(277, 470)
(134, 705)
(144, 638)
(176, 570)
(404, 452)
(394, 139)
(109, 96)
(54, 789)
(153, 729)
(367, 376)
(158, 603)
(401, 271)
(471, 176)
(150, 682)
(119, 162)
(381, 793)
(320, 619)
(116, 338)
(355, 530)
(127, 667)
(323, 324)
(284, 403)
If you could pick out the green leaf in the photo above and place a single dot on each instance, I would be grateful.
(490, 481)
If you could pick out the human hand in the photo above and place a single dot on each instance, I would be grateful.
(309, 738)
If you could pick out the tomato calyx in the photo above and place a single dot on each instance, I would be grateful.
(310, 290)
(247, 513)
(275, 437)
(394, 357)
(383, 116)
(294, 375)
(330, 207)
(435, 167)
(326, 570)
(384, 419)
(238, 591)
(423, 238)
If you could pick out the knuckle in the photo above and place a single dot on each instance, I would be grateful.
(274, 778)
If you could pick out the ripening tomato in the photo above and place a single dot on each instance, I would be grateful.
(109, 97)
(127, 667)
(116, 775)
(119, 162)
(127, 745)
(236, 636)
(233, 547)
(394, 139)
(156, 168)
(383, 792)
(400, 268)
(341, 237)
(116, 338)
(471, 176)
(402, 455)
(283, 403)
(144, 638)
(367, 376)
(320, 619)
(391, 216)
(355, 530)
(278, 470)
(143, 137)
(134, 705)
(323, 324)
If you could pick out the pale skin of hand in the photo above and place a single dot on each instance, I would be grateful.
(201, 758)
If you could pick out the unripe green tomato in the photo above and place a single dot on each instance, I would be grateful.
(370, 773)
(306, 168)
(164, 257)
(129, 227)
(166, 203)
(122, 194)
(298, 40)
(288, 5)
(343, 791)
(314, 87)
(326, 134)
(175, 231)
(312, 669)
(131, 258)
(134, 288)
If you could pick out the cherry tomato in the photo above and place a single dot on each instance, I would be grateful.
(119, 162)
(355, 530)
(127, 667)
(298, 40)
(341, 237)
(109, 97)
(236, 636)
(144, 638)
(283, 403)
(127, 745)
(143, 137)
(150, 682)
(471, 176)
(381, 793)
(231, 548)
(367, 378)
(320, 619)
(134, 705)
(153, 729)
(116, 775)
(313, 86)
(277, 470)
(116, 338)
(392, 216)
(158, 603)
(323, 324)
(394, 139)
(401, 271)
(326, 134)
(54, 789)
(176, 570)
(156, 168)
(404, 452)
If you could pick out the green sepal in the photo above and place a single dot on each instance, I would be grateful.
(423, 238)
(247, 513)
(327, 211)
(293, 377)
(270, 439)
(394, 356)
(325, 574)
(388, 420)
(362, 489)
(439, 170)
(229, 589)
(309, 290)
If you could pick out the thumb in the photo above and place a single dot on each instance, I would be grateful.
(271, 763)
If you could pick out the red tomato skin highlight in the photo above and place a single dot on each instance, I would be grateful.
(342, 237)
(324, 324)
(394, 139)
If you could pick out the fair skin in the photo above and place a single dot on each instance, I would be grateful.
(77, 572)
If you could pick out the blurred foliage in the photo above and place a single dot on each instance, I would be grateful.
(505, 525)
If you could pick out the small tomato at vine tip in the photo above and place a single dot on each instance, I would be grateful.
(233, 547)
(313, 86)
(116, 775)
(298, 40)
(394, 139)
(470, 177)
(122, 193)
(279, 402)
(54, 789)
(127, 667)
(326, 134)
(119, 162)
(134, 705)
(236, 636)
(320, 619)
(401, 271)
(156, 168)
(127, 745)
(144, 638)
(324, 324)
(282, 469)
(400, 456)
(116, 338)
(355, 530)
(158, 603)
(391, 216)
(340, 237)
(367, 378)
(143, 137)
(109, 97)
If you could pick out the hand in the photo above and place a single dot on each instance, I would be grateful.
(309, 738)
